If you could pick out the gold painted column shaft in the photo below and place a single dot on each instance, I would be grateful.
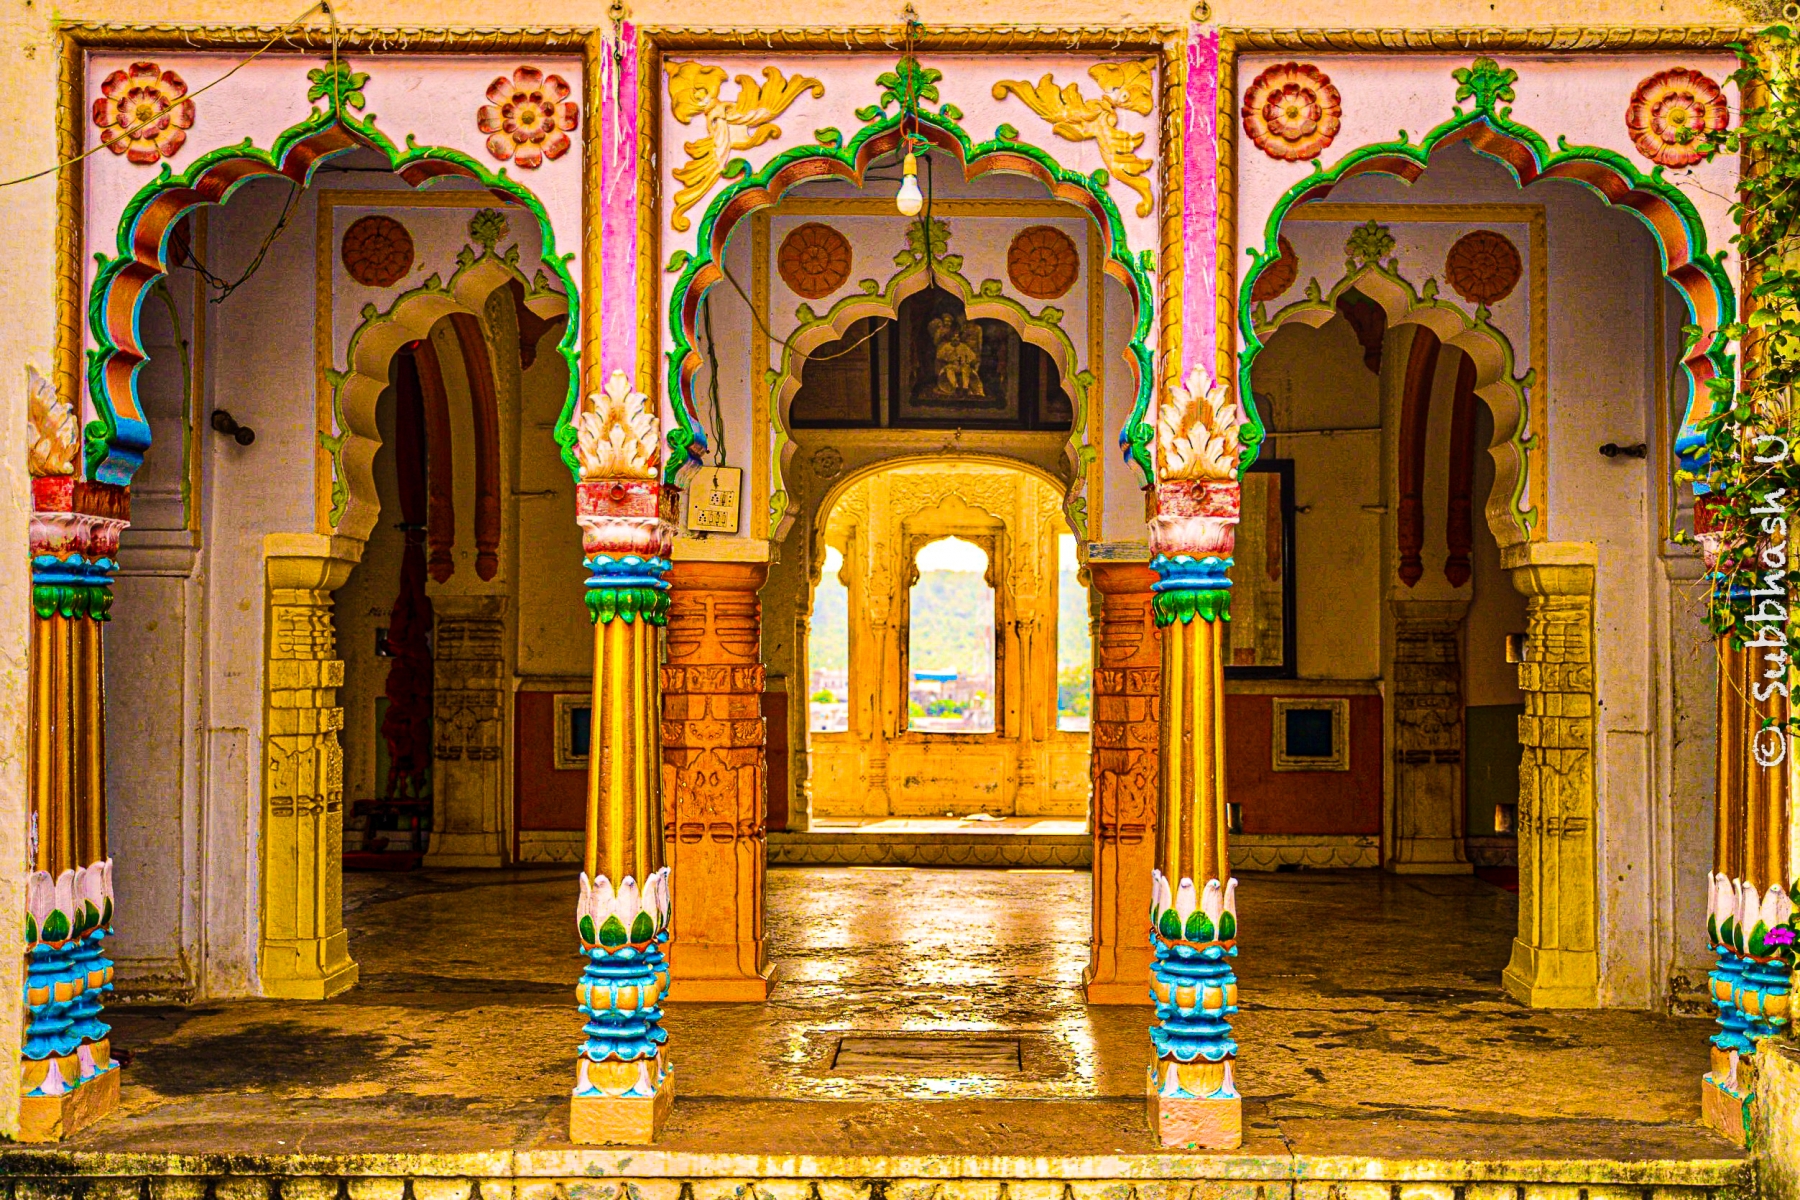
(624, 821)
(1191, 836)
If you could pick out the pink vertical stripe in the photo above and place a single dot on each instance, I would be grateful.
(1200, 204)
(618, 208)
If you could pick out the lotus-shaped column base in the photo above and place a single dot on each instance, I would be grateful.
(623, 1084)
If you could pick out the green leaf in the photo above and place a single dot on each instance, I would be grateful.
(642, 927)
(1199, 927)
(1006, 133)
(585, 927)
(871, 112)
(56, 926)
(1227, 927)
(828, 137)
(1170, 925)
(678, 261)
(612, 932)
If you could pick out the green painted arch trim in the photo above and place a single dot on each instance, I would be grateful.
(1651, 197)
(750, 191)
(117, 439)
(988, 295)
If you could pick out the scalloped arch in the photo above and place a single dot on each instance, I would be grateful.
(839, 487)
(117, 439)
(372, 346)
(1670, 216)
(907, 282)
(756, 190)
(1499, 388)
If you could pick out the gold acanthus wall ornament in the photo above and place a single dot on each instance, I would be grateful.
(742, 123)
(53, 431)
(1197, 431)
(617, 437)
(1126, 86)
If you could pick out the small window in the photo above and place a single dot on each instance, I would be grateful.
(1074, 653)
(1312, 735)
(574, 716)
(828, 651)
(950, 641)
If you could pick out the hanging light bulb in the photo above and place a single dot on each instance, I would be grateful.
(910, 199)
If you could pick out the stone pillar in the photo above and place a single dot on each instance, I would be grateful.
(1127, 679)
(1555, 959)
(713, 780)
(468, 733)
(67, 1076)
(1193, 1099)
(623, 1083)
(1429, 808)
(305, 951)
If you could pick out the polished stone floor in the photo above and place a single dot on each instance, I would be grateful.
(1373, 1024)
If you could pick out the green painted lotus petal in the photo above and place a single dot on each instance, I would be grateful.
(31, 930)
(56, 926)
(1170, 925)
(1227, 927)
(586, 928)
(642, 927)
(612, 933)
(1199, 928)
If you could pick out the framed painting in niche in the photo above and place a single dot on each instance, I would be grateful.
(954, 370)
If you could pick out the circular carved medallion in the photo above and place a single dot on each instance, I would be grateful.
(1292, 111)
(1672, 112)
(1042, 262)
(814, 260)
(1483, 267)
(1280, 274)
(377, 251)
(827, 463)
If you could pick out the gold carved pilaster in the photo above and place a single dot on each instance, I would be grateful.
(1555, 958)
(1127, 679)
(714, 779)
(305, 951)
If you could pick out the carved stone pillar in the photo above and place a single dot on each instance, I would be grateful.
(1555, 959)
(468, 733)
(305, 951)
(1429, 815)
(713, 773)
(67, 1076)
(1127, 679)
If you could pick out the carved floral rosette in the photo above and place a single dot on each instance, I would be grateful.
(1197, 518)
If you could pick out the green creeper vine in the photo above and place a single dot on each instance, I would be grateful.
(1746, 466)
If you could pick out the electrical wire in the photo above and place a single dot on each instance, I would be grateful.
(712, 383)
(154, 118)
